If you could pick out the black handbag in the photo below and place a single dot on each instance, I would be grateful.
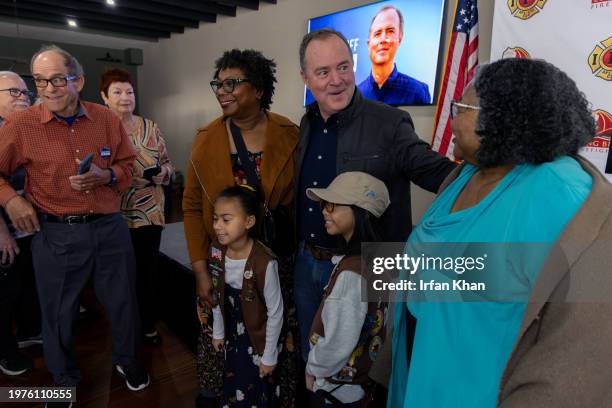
(277, 229)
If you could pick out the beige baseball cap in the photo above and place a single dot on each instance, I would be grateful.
(354, 188)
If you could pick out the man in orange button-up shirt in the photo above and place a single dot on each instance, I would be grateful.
(79, 231)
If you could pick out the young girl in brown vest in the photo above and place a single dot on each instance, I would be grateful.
(346, 332)
(248, 318)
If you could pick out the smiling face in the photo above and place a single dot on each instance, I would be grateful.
(385, 37)
(339, 220)
(467, 142)
(9, 103)
(120, 98)
(60, 100)
(243, 101)
(230, 222)
(328, 73)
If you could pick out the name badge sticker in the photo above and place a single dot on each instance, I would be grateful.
(105, 152)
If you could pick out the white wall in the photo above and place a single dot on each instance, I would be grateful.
(173, 82)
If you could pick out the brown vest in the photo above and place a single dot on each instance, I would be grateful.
(254, 310)
(372, 333)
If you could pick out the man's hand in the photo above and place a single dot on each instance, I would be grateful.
(22, 214)
(93, 178)
(9, 247)
(265, 369)
(309, 381)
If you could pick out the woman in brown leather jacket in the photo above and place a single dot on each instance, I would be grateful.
(244, 85)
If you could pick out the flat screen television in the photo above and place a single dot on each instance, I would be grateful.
(378, 40)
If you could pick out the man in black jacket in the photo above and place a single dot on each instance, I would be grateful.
(340, 132)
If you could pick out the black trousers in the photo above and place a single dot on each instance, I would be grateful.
(65, 256)
(18, 299)
(9, 290)
(27, 316)
(146, 250)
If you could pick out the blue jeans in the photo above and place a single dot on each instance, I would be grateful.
(310, 278)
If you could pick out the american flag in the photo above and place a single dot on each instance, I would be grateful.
(459, 69)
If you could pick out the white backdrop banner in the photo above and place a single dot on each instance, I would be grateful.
(574, 35)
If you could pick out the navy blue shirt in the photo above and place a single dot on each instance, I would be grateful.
(318, 170)
(398, 89)
(70, 119)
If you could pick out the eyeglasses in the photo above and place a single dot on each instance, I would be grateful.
(327, 206)
(456, 105)
(16, 93)
(57, 82)
(228, 84)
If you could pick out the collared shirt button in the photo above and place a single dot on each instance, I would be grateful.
(86, 191)
(78, 150)
(314, 183)
(310, 209)
(319, 157)
(91, 211)
(312, 235)
(72, 130)
(325, 131)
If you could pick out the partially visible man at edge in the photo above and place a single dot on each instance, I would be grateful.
(18, 299)
(79, 231)
(342, 131)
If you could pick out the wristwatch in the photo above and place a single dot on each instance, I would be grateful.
(113, 179)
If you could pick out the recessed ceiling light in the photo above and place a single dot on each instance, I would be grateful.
(110, 2)
(72, 23)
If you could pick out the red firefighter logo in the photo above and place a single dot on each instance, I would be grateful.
(604, 130)
(600, 60)
(525, 9)
(515, 52)
(600, 3)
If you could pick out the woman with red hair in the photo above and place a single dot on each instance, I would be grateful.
(142, 205)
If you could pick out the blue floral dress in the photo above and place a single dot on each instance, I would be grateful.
(242, 386)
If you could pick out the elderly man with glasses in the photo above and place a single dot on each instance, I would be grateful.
(79, 231)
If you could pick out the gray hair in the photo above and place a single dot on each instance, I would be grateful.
(399, 14)
(6, 73)
(321, 34)
(73, 65)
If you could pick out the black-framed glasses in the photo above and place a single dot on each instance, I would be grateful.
(455, 105)
(16, 93)
(327, 206)
(228, 84)
(57, 82)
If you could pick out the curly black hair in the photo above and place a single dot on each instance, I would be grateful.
(532, 112)
(259, 70)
